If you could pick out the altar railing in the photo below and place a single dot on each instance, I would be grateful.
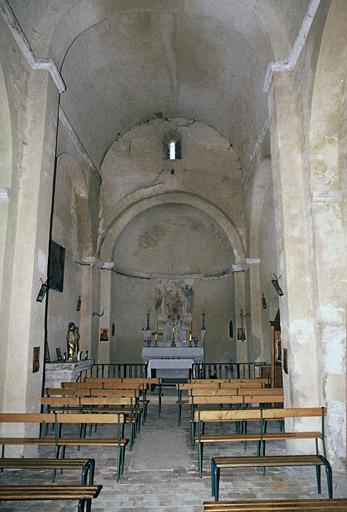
(115, 370)
(227, 370)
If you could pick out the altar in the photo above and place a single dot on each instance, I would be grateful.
(171, 362)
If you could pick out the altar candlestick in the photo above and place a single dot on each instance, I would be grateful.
(148, 315)
(203, 320)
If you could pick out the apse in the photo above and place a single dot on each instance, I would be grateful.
(166, 246)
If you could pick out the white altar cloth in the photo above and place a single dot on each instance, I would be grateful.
(170, 367)
(195, 353)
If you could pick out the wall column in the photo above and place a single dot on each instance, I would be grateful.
(104, 348)
(303, 385)
(240, 303)
(29, 221)
(89, 308)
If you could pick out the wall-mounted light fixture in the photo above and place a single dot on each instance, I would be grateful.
(276, 285)
(78, 307)
(263, 302)
(42, 291)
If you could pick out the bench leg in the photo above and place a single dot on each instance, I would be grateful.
(318, 478)
(81, 505)
(216, 484)
(119, 462)
(88, 505)
(212, 478)
(2, 455)
(192, 432)
(329, 475)
(159, 399)
(200, 457)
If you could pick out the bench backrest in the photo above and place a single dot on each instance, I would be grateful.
(132, 393)
(123, 380)
(260, 414)
(212, 392)
(85, 401)
(26, 417)
(67, 392)
(226, 399)
(264, 380)
(60, 401)
(102, 400)
(260, 391)
(99, 418)
(80, 385)
(263, 399)
(294, 412)
(227, 415)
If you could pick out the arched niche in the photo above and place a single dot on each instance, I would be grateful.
(139, 206)
(176, 243)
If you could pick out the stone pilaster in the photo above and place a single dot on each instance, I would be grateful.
(303, 385)
(30, 221)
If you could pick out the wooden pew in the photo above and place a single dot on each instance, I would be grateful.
(96, 404)
(83, 493)
(263, 461)
(298, 505)
(210, 384)
(228, 397)
(59, 442)
(144, 382)
(87, 466)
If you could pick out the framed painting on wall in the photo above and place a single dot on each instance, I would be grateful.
(56, 266)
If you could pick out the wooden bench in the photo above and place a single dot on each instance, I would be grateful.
(83, 493)
(209, 385)
(114, 404)
(229, 397)
(87, 466)
(264, 461)
(110, 387)
(201, 417)
(144, 382)
(301, 505)
(60, 442)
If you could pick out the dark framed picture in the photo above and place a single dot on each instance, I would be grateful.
(104, 334)
(56, 267)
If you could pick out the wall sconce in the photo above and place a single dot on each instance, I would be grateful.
(78, 307)
(42, 292)
(263, 302)
(276, 285)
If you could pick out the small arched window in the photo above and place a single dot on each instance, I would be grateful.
(172, 147)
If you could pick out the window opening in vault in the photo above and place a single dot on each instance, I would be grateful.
(172, 150)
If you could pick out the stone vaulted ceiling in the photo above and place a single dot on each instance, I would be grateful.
(125, 60)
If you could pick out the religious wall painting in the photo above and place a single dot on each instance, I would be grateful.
(104, 334)
(174, 299)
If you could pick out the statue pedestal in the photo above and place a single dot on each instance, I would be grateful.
(63, 371)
